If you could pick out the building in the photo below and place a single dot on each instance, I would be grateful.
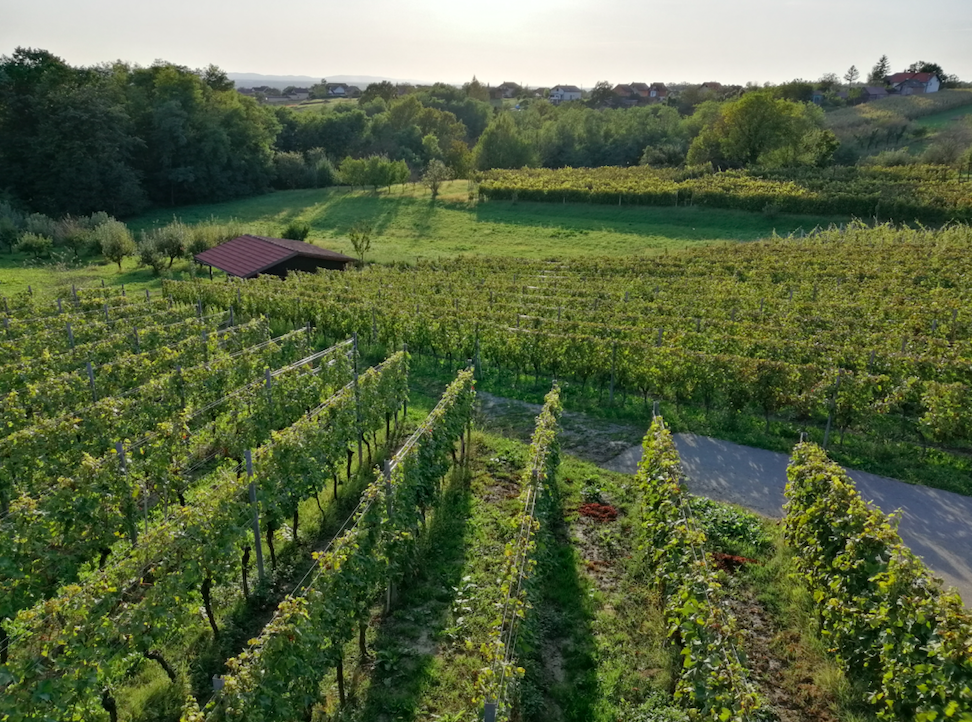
(913, 83)
(249, 256)
(657, 93)
(875, 92)
(564, 93)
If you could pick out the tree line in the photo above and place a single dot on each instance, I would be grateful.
(119, 137)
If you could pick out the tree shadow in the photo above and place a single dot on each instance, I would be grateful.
(406, 642)
(342, 210)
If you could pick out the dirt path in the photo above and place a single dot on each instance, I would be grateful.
(937, 525)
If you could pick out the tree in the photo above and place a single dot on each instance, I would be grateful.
(760, 129)
(923, 66)
(880, 71)
(383, 89)
(216, 78)
(476, 90)
(601, 95)
(115, 241)
(852, 75)
(503, 146)
(436, 173)
(360, 237)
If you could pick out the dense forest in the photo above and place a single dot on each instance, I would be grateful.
(118, 137)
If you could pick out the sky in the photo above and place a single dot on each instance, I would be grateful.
(532, 42)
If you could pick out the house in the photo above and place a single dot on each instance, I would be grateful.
(249, 256)
(657, 93)
(337, 90)
(875, 92)
(564, 93)
(713, 86)
(914, 83)
(623, 91)
(353, 91)
(505, 91)
(299, 93)
(640, 89)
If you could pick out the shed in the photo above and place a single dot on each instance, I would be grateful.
(248, 256)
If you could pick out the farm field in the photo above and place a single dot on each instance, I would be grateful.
(470, 571)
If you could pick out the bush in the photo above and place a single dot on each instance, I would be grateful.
(9, 232)
(41, 225)
(890, 159)
(35, 245)
(204, 236)
(296, 230)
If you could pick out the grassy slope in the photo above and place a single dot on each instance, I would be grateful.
(939, 121)
(409, 225)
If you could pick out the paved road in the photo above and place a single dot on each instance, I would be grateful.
(937, 525)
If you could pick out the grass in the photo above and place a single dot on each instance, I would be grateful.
(592, 653)
(409, 225)
(18, 272)
(939, 121)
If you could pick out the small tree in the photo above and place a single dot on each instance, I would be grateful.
(115, 241)
(852, 75)
(360, 235)
(35, 245)
(436, 173)
(149, 254)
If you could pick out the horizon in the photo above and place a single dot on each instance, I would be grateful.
(538, 43)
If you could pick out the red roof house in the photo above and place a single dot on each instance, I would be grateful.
(914, 83)
(248, 256)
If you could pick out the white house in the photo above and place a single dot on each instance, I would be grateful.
(914, 83)
(563, 93)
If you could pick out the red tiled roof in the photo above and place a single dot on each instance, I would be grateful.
(246, 256)
(902, 77)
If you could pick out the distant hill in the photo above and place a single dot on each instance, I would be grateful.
(248, 80)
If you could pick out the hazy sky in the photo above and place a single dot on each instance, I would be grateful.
(536, 42)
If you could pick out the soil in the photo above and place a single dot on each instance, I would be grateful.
(776, 662)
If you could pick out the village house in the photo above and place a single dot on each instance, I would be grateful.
(657, 93)
(875, 92)
(564, 93)
(913, 83)
(505, 91)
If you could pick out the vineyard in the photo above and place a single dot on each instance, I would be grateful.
(243, 501)
(859, 335)
(927, 194)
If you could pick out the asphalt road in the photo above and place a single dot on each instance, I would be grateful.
(936, 525)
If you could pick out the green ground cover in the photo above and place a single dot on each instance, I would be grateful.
(939, 121)
(407, 224)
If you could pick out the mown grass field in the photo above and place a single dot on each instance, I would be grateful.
(409, 225)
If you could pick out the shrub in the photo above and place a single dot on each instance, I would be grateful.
(41, 225)
(204, 236)
(296, 230)
(35, 245)
(9, 232)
